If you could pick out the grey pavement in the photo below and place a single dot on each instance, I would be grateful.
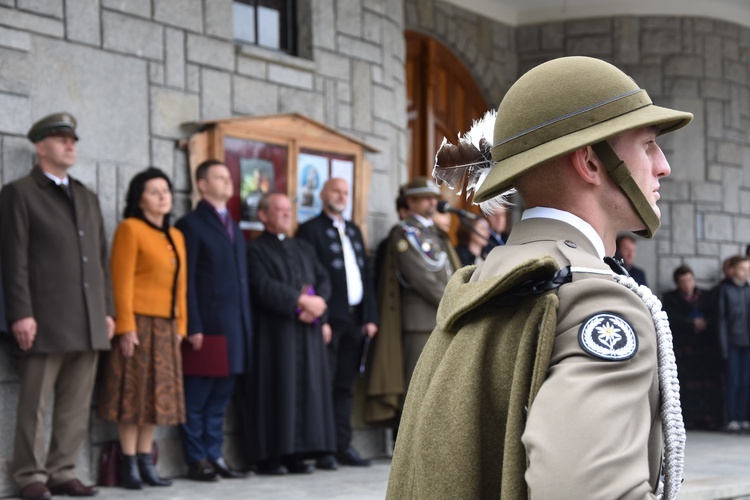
(717, 466)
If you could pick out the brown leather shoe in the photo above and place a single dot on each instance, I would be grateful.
(74, 488)
(35, 491)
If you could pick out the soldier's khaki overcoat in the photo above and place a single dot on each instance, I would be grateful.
(594, 428)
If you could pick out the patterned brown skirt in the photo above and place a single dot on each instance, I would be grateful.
(147, 387)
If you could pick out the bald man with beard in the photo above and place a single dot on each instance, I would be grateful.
(352, 308)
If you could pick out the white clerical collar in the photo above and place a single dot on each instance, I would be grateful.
(64, 181)
(423, 221)
(568, 218)
(281, 236)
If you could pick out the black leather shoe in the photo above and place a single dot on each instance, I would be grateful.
(73, 488)
(351, 457)
(327, 462)
(202, 471)
(130, 477)
(225, 471)
(297, 466)
(35, 491)
(272, 468)
(148, 471)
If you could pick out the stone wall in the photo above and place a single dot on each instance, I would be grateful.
(696, 65)
(133, 72)
(486, 47)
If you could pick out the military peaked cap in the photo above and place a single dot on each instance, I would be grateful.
(57, 124)
(421, 187)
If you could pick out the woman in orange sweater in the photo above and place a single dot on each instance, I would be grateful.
(142, 384)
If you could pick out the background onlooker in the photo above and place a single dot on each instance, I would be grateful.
(142, 384)
(289, 388)
(627, 248)
(498, 221)
(352, 307)
(219, 324)
(734, 334)
(696, 348)
(473, 239)
(59, 305)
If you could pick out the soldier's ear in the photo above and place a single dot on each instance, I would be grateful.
(587, 166)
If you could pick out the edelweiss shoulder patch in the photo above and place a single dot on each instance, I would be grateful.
(608, 336)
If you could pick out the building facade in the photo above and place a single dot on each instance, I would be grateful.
(139, 74)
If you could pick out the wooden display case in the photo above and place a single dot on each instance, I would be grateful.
(288, 153)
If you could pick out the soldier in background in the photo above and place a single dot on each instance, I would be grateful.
(418, 264)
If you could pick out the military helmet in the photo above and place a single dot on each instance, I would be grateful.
(563, 105)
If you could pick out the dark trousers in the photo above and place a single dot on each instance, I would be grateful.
(206, 400)
(344, 352)
(738, 383)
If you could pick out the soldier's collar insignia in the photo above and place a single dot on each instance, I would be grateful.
(402, 245)
(608, 336)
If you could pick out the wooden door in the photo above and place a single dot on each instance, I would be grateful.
(442, 100)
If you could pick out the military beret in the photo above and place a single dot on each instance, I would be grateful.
(421, 187)
(57, 124)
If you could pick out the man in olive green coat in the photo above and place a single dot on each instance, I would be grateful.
(59, 306)
(591, 403)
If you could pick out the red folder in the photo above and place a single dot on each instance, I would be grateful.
(211, 361)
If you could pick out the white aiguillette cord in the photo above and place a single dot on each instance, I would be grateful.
(671, 412)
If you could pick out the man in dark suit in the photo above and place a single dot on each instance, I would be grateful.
(218, 320)
(627, 248)
(352, 309)
(498, 221)
(59, 306)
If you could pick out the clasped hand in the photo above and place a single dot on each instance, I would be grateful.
(311, 307)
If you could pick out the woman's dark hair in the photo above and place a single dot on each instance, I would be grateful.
(466, 229)
(135, 192)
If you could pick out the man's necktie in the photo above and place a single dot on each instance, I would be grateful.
(66, 189)
(226, 221)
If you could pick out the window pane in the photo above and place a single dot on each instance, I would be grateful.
(269, 27)
(244, 22)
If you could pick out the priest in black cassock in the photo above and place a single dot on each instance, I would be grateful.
(290, 414)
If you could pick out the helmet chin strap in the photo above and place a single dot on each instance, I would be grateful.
(618, 171)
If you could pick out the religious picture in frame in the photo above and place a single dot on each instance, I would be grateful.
(257, 168)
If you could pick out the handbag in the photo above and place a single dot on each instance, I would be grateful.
(109, 462)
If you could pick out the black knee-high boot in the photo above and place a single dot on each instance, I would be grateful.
(148, 472)
(130, 478)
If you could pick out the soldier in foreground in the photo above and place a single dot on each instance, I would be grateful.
(550, 374)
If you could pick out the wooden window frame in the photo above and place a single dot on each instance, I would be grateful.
(287, 31)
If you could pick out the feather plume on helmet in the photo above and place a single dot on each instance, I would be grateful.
(464, 166)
